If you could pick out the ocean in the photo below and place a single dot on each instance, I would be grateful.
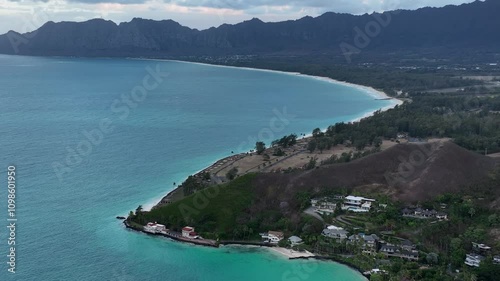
(91, 139)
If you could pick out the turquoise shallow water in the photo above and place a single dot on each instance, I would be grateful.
(66, 228)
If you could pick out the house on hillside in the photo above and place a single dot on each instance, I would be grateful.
(480, 248)
(388, 249)
(335, 232)
(420, 213)
(473, 260)
(403, 251)
(323, 205)
(369, 243)
(441, 216)
(357, 204)
(407, 245)
(496, 259)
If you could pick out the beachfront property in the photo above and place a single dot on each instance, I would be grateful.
(335, 232)
(295, 241)
(273, 237)
(155, 228)
(473, 260)
(150, 228)
(357, 204)
(323, 205)
(188, 232)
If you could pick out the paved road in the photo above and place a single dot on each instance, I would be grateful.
(310, 211)
(341, 219)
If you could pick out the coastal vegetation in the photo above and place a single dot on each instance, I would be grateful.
(473, 122)
(439, 103)
(257, 202)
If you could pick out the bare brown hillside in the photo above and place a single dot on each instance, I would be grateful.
(407, 172)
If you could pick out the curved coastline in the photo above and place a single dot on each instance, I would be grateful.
(376, 94)
(372, 92)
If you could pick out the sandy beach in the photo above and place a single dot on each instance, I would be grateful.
(291, 254)
(221, 166)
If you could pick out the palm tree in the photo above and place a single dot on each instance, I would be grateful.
(138, 210)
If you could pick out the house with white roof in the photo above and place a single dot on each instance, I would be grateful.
(480, 246)
(473, 260)
(335, 232)
(150, 227)
(357, 204)
(273, 237)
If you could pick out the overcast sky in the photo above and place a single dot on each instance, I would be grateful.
(27, 15)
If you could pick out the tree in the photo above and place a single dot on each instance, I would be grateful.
(138, 210)
(232, 173)
(472, 212)
(317, 133)
(311, 146)
(488, 271)
(312, 164)
(492, 219)
(377, 142)
(432, 258)
(260, 147)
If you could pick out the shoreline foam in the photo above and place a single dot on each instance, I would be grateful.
(372, 92)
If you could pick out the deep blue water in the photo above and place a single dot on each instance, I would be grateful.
(66, 228)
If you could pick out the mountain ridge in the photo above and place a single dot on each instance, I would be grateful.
(465, 27)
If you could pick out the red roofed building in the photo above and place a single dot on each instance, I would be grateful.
(187, 231)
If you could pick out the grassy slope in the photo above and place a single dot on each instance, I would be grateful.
(214, 209)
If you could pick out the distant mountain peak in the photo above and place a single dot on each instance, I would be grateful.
(463, 27)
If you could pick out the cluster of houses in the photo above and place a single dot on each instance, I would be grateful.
(351, 203)
(274, 237)
(420, 213)
(475, 258)
(372, 244)
(156, 228)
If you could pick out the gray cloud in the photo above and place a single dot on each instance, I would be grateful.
(343, 6)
